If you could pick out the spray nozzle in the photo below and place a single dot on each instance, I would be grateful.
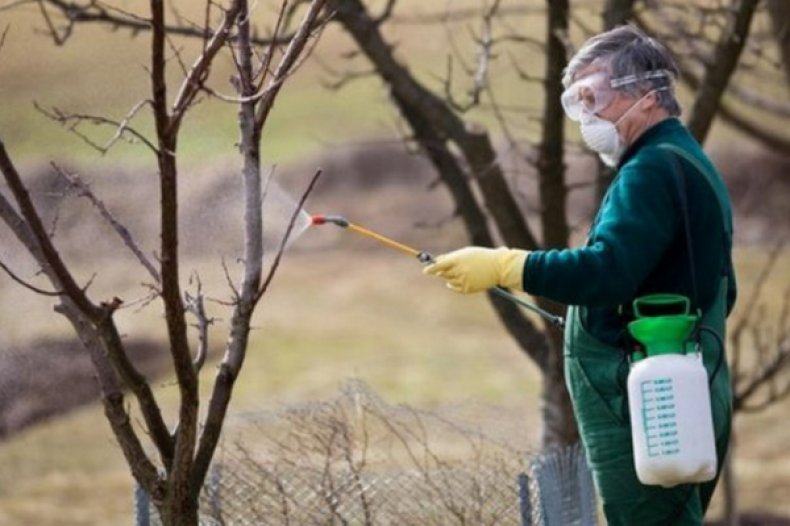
(340, 221)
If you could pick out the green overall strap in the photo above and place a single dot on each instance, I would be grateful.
(724, 209)
(711, 321)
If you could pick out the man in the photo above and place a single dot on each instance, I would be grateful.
(664, 226)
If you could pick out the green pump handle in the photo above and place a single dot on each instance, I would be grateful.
(661, 305)
(662, 323)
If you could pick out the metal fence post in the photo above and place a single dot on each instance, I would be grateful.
(525, 503)
(565, 488)
(214, 490)
(142, 507)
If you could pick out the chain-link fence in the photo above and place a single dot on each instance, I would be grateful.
(356, 460)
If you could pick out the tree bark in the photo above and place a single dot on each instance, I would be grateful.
(617, 13)
(559, 424)
(179, 501)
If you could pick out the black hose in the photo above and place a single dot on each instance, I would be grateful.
(720, 359)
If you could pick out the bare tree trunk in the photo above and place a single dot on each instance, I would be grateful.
(617, 12)
(551, 166)
(720, 68)
(436, 127)
(559, 424)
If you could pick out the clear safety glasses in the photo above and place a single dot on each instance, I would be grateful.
(589, 95)
(593, 93)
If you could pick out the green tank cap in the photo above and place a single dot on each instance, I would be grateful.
(663, 323)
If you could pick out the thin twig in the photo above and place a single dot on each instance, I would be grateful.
(28, 285)
(85, 191)
(56, 37)
(266, 62)
(5, 33)
(73, 120)
(233, 288)
(290, 60)
(98, 12)
(284, 241)
(195, 305)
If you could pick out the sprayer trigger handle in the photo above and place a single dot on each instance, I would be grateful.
(425, 257)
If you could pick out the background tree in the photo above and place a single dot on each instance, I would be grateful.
(465, 154)
(184, 448)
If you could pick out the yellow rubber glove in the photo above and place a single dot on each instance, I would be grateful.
(474, 269)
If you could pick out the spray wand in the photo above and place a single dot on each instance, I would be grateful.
(426, 258)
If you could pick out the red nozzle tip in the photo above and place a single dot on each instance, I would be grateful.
(318, 220)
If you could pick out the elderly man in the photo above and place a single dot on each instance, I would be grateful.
(664, 226)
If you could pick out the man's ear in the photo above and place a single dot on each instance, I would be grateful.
(650, 100)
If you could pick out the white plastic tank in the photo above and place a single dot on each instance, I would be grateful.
(671, 420)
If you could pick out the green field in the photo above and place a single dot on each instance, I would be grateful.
(339, 309)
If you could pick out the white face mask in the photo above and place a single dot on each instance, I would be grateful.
(602, 136)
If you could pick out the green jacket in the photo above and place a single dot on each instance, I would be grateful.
(637, 244)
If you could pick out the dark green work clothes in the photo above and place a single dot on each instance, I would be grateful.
(637, 246)
(595, 374)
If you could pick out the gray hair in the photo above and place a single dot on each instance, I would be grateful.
(627, 52)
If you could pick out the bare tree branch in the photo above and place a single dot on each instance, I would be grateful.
(4, 35)
(48, 251)
(85, 191)
(94, 11)
(286, 237)
(73, 120)
(758, 386)
(460, 15)
(100, 338)
(290, 59)
(199, 71)
(195, 305)
(28, 285)
(720, 69)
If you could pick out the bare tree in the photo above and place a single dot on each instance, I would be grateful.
(727, 70)
(185, 448)
(467, 158)
(439, 129)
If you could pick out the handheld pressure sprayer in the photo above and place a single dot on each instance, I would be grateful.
(426, 259)
(668, 395)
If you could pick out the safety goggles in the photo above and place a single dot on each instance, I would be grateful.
(593, 93)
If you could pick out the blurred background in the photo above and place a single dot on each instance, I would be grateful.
(340, 306)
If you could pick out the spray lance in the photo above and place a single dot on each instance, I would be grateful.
(427, 258)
